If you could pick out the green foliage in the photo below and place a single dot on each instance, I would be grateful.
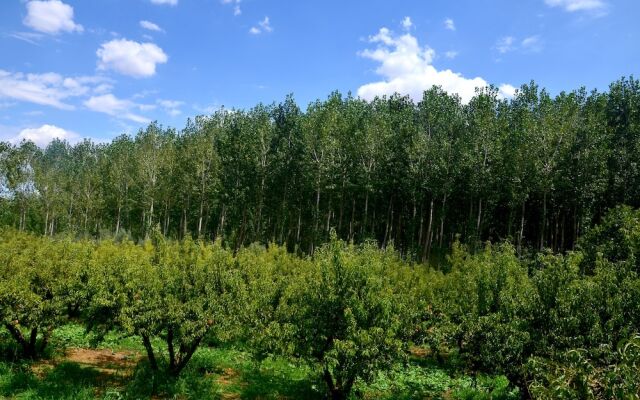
(351, 320)
(616, 239)
(178, 291)
(536, 169)
(40, 286)
(575, 375)
(344, 316)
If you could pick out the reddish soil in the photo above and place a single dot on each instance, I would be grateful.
(105, 361)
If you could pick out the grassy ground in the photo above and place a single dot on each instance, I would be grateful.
(83, 367)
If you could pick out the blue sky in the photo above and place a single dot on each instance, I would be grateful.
(99, 68)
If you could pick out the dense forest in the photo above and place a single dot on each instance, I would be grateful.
(377, 250)
(536, 170)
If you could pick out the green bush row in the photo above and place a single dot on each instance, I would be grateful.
(558, 326)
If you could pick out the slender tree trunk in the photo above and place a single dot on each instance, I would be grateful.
(165, 229)
(170, 348)
(118, 219)
(201, 216)
(544, 220)
(479, 219)
(427, 245)
(366, 214)
(299, 227)
(442, 216)
(152, 358)
(334, 391)
(562, 232)
(388, 223)
(353, 212)
(46, 221)
(521, 233)
(421, 223)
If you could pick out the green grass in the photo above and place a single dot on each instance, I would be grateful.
(220, 373)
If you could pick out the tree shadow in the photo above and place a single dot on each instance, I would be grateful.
(258, 384)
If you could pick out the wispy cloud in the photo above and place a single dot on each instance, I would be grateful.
(505, 44)
(49, 89)
(150, 26)
(449, 24)
(599, 7)
(407, 23)
(165, 2)
(236, 6)
(530, 44)
(119, 108)
(29, 37)
(263, 26)
(451, 54)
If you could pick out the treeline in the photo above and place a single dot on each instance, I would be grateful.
(558, 326)
(535, 169)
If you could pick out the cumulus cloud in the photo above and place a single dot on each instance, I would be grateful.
(150, 26)
(167, 2)
(45, 134)
(51, 17)
(119, 108)
(449, 24)
(579, 5)
(406, 67)
(49, 89)
(263, 26)
(131, 58)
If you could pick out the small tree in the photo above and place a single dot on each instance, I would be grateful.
(179, 292)
(344, 316)
(38, 287)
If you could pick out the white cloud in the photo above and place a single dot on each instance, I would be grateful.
(263, 26)
(49, 89)
(579, 5)
(532, 44)
(130, 58)
(236, 6)
(505, 44)
(119, 108)
(51, 17)
(407, 23)
(171, 107)
(507, 90)
(46, 133)
(449, 24)
(150, 26)
(451, 54)
(29, 37)
(167, 2)
(208, 109)
(406, 68)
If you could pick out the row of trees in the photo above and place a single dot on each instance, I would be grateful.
(559, 326)
(535, 169)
